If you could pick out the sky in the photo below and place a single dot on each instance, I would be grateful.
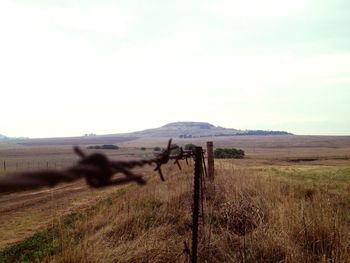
(68, 68)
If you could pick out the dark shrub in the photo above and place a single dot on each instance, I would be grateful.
(175, 149)
(226, 153)
(110, 147)
(189, 146)
(105, 146)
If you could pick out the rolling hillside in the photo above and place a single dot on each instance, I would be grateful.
(198, 129)
(170, 130)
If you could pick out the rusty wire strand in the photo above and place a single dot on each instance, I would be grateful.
(96, 168)
(98, 171)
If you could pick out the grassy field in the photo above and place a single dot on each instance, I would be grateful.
(281, 204)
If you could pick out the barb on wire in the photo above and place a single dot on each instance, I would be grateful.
(183, 155)
(96, 168)
(163, 158)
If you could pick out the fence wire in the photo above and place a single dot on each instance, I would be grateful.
(99, 171)
(96, 168)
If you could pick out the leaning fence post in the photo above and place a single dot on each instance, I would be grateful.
(210, 152)
(198, 169)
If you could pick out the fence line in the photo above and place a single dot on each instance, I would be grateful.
(98, 172)
(210, 151)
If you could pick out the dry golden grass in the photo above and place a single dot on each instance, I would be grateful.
(300, 222)
(250, 216)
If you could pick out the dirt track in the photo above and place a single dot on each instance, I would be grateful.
(24, 213)
(21, 214)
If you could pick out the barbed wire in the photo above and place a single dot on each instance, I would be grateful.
(96, 168)
(98, 171)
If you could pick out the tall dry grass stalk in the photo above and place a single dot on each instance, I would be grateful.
(249, 217)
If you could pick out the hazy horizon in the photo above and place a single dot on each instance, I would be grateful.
(147, 128)
(75, 67)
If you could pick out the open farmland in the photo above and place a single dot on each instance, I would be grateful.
(292, 191)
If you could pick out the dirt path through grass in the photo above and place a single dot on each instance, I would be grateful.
(22, 214)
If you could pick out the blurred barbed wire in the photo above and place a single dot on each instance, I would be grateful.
(96, 168)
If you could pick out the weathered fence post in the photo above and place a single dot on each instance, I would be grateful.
(4, 166)
(198, 170)
(210, 152)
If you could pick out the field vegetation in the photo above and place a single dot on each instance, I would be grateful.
(229, 153)
(104, 147)
(289, 207)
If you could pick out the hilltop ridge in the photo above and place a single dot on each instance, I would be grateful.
(189, 124)
(190, 129)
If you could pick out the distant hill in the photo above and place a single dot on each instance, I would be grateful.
(11, 139)
(198, 129)
(171, 130)
(3, 137)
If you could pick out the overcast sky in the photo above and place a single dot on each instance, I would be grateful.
(74, 67)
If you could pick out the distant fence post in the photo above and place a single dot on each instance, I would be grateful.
(4, 166)
(210, 152)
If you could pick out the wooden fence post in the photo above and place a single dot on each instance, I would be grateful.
(210, 152)
(4, 166)
(198, 170)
